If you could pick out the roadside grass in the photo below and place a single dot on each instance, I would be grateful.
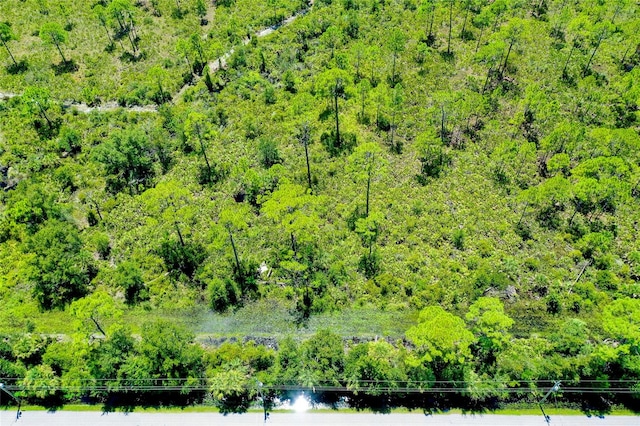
(532, 411)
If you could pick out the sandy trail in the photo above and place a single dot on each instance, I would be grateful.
(214, 65)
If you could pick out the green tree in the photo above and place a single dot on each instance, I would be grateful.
(128, 277)
(365, 163)
(491, 326)
(183, 48)
(6, 35)
(201, 10)
(98, 308)
(497, 9)
(195, 42)
(232, 387)
(428, 9)
(364, 87)
(481, 21)
(304, 137)
(467, 6)
(322, 360)
(621, 320)
(294, 209)
(432, 154)
(442, 340)
(59, 268)
(168, 356)
(451, 3)
(173, 205)
(53, 33)
(235, 220)
(523, 360)
(100, 13)
(332, 85)
(331, 38)
(549, 199)
(268, 152)
(123, 13)
(106, 359)
(359, 51)
(38, 100)
(159, 76)
(28, 208)
(511, 34)
(397, 42)
(274, 4)
(197, 128)
(373, 371)
(578, 29)
(41, 383)
(397, 99)
(601, 31)
(127, 158)
(287, 365)
(491, 55)
(43, 7)
(369, 230)
(572, 338)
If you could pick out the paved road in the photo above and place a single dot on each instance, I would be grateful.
(70, 418)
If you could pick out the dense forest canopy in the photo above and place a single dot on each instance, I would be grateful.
(470, 169)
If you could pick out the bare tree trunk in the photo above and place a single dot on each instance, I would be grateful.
(9, 52)
(566, 63)
(98, 326)
(204, 153)
(586, 67)
(233, 246)
(306, 154)
(61, 54)
(450, 28)
(335, 100)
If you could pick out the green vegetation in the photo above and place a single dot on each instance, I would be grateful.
(451, 188)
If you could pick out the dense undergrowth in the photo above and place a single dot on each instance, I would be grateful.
(471, 167)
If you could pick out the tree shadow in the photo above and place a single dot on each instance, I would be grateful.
(132, 57)
(326, 114)
(18, 68)
(448, 56)
(65, 67)
(47, 130)
(429, 40)
(467, 35)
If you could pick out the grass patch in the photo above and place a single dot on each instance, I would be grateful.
(533, 411)
(274, 318)
(263, 318)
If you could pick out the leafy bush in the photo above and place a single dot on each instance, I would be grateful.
(181, 258)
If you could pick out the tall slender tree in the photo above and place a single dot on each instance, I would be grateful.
(397, 43)
(602, 30)
(196, 127)
(6, 35)
(53, 33)
(304, 137)
(365, 163)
